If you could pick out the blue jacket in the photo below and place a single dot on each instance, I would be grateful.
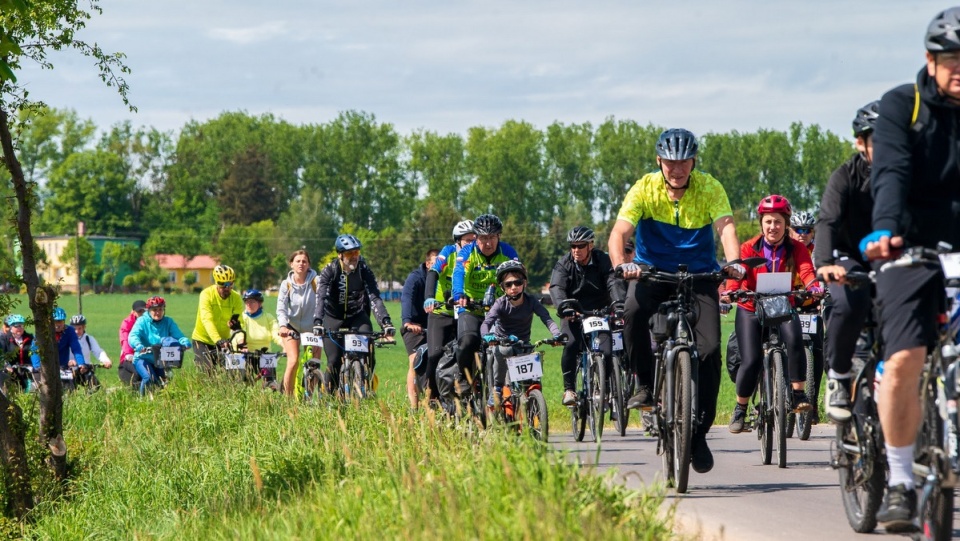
(147, 333)
(411, 300)
(67, 341)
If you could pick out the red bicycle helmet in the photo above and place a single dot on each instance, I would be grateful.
(774, 204)
(155, 302)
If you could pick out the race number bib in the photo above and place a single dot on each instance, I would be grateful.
(951, 265)
(234, 361)
(66, 374)
(593, 324)
(525, 367)
(310, 339)
(618, 341)
(170, 354)
(268, 360)
(356, 343)
(808, 323)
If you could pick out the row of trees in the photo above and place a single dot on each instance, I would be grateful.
(252, 188)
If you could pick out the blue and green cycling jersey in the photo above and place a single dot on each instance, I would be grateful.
(443, 266)
(474, 272)
(670, 233)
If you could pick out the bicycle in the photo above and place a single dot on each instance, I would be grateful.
(164, 358)
(19, 377)
(473, 395)
(74, 376)
(598, 383)
(251, 366)
(772, 398)
(523, 396)
(314, 380)
(357, 371)
(676, 413)
(811, 324)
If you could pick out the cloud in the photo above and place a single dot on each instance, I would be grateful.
(252, 34)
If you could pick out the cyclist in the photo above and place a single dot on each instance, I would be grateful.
(475, 271)
(260, 327)
(584, 274)
(218, 305)
(440, 321)
(15, 346)
(125, 368)
(296, 304)
(671, 215)
(845, 216)
(148, 332)
(91, 348)
(783, 254)
(348, 292)
(67, 343)
(802, 225)
(915, 182)
(511, 316)
(414, 320)
(802, 228)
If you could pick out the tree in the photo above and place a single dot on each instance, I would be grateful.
(439, 162)
(249, 194)
(117, 256)
(244, 248)
(48, 26)
(69, 254)
(569, 164)
(90, 186)
(625, 151)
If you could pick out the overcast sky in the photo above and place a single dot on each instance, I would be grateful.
(448, 65)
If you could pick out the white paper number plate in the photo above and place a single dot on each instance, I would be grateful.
(170, 354)
(355, 342)
(66, 374)
(951, 265)
(268, 360)
(525, 367)
(234, 361)
(808, 323)
(310, 339)
(592, 324)
(618, 341)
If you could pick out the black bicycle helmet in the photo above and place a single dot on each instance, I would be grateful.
(345, 243)
(487, 224)
(866, 119)
(942, 32)
(677, 144)
(78, 320)
(580, 234)
(253, 294)
(510, 266)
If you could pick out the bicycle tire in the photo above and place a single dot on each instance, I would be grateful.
(683, 420)
(861, 494)
(805, 419)
(780, 389)
(536, 414)
(764, 420)
(598, 396)
(936, 513)
(665, 436)
(578, 416)
(358, 378)
(617, 398)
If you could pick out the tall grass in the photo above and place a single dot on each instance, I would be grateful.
(219, 460)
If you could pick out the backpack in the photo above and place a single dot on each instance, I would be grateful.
(449, 377)
(921, 113)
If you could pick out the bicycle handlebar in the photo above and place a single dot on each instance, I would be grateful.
(799, 294)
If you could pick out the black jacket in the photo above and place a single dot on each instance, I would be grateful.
(411, 300)
(342, 295)
(845, 213)
(594, 284)
(916, 168)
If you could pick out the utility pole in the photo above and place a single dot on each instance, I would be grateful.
(80, 231)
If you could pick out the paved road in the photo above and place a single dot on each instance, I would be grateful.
(740, 499)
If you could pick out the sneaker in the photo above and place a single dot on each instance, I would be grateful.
(800, 402)
(738, 419)
(700, 457)
(838, 400)
(643, 398)
(899, 507)
(495, 397)
(569, 398)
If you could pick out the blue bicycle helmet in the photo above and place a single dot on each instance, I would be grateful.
(345, 243)
(253, 294)
(677, 144)
(15, 319)
(59, 314)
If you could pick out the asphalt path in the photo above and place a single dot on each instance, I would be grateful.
(740, 499)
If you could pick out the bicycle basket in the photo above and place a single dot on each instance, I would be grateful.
(772, 311)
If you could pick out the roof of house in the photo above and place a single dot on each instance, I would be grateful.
(173, 261)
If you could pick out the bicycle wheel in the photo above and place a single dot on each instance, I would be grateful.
(312, 385)
(598, 395)
(682, 420)
(578, 412)
(617, 400)
(358, 384)
(537, 415)
(862, 478)
(780, 405)
(665, 444)
(936, 512)
(764, 419)
(805, 419)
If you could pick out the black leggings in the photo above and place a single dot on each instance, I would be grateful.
(334, 350)
(849, 309)
(468, 342)
(750, 340)
(441, 329)
(571, 352)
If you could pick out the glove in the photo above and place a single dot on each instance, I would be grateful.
(873, 237)
(513, 338)
(489, 338)
(628, 267)
(618, 309)
(560, 338)
(223, 344)
(318, 330)
(431, 303)
(735, 270)
(389, 330)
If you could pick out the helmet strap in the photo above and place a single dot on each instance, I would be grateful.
(665, 181)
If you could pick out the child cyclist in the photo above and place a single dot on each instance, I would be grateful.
(511, 316)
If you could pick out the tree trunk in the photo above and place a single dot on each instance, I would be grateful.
(16, 472)
(42, 299)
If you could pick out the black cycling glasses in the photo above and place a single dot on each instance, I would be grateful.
(224, 284)
(803, 230)
(578, 246)
(512, 283)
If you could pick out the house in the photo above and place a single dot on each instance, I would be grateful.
(64, 272)
(178, 267)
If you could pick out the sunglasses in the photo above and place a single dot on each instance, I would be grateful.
(224, 284)
(802, 230)
(512, 283)
(578, 246)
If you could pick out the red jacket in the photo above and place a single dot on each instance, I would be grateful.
(796, 260)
